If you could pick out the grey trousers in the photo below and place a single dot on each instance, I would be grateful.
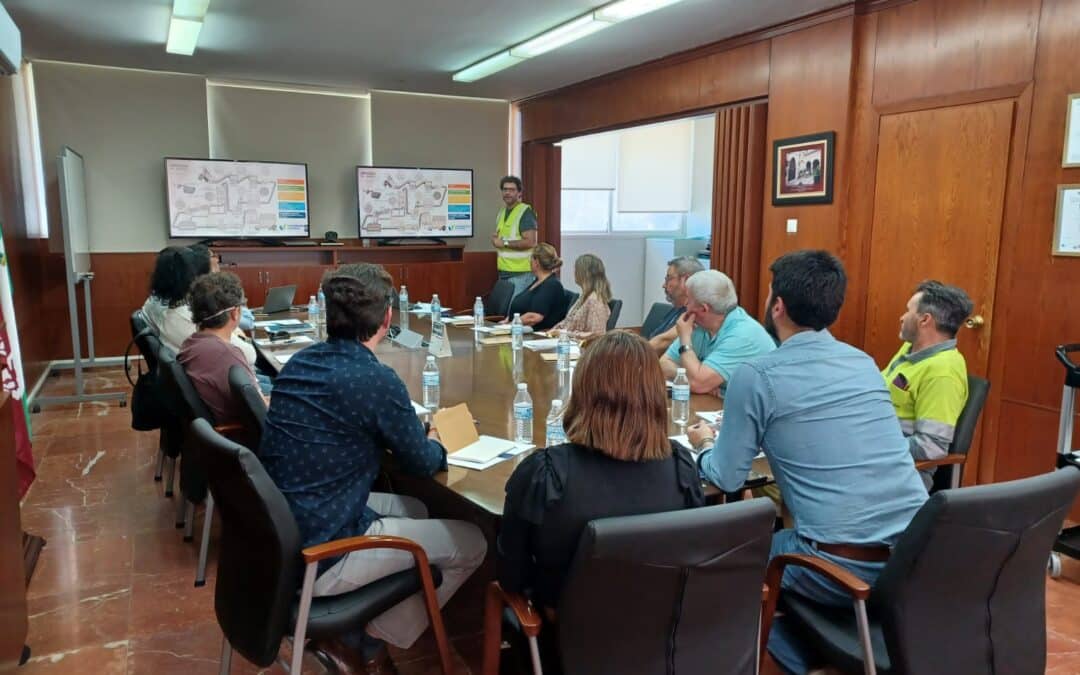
(455, 546)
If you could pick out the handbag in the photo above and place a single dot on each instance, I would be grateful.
(148, 411)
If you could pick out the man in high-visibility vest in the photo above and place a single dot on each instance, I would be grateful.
(515, 235)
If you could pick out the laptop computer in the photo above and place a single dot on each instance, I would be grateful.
(279, 299)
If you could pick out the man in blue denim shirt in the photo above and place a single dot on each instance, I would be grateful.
(334, 411)
(819, 410)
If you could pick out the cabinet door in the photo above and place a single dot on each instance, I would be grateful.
(445, 278)
(254, 283)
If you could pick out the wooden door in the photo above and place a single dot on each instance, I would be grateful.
(251, 277)
(938, 208)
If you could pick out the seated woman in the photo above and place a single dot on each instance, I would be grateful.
(618, 461)
(589, 315)
(167, 310)
(543, 304)
(207, 355)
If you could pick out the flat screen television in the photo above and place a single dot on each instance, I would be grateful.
(222, 198)
(412, 202)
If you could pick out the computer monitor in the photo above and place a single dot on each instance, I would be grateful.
(414, 202)
(222, 199)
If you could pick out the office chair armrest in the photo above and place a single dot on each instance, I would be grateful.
(526, 615)
(855, 587)
(331, 549)
(230, 431)
(923, 464)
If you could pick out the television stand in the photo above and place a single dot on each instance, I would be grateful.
(409, 241)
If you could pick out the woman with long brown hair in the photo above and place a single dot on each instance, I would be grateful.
(618, 461)
(589, 315)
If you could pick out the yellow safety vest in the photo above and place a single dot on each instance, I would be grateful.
(511, 259)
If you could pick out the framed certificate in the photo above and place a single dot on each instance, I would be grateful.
(1067, 221)
(1070, 156)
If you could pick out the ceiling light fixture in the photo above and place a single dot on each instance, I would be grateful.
(613, 13)
(185, 25)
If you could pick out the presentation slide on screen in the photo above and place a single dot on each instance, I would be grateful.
(395, 202)
(219, 198)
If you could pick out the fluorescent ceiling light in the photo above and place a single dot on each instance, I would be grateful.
(492, 64)
(628, 9)
(190, 9)
(557, 37)
(183, 36)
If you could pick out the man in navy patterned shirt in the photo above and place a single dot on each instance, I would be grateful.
(334, 411)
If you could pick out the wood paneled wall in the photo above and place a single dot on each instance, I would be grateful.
(843, 70)
(738, 181)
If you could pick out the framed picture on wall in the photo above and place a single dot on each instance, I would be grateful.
(1070, 156)
(1067, 221)
(803, 169)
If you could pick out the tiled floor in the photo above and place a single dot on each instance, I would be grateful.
(113, 590)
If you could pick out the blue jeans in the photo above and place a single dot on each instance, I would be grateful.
(790, 650)
(266, 385)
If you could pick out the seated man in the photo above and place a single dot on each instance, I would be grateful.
(334, 411)
(678, 271)
(207, 355)
(928, 377)
(819, 410)
(715, 335)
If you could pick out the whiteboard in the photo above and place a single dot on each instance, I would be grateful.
(72, 177)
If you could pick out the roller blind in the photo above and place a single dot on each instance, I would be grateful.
(654, 167)
(330, 133)
(589, 162)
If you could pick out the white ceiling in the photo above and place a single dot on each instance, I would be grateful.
(358, 45)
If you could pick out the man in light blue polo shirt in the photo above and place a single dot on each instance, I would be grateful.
(820, 411)
(716, 336)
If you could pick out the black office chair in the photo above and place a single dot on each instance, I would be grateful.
(978, 388)
(261, 566)
(616, 307)
(654, 318)
(571, 298)
(253, 407)
(150, 346)
(497, 301)
(657, 593)
(963, 592)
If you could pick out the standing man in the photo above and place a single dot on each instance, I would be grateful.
(927, 378)
(515, 235)
(678, 271)
(819, 410)
(716, 336)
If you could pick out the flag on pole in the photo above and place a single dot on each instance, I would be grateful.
(11, 376)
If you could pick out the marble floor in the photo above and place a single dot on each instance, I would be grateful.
(113, 591)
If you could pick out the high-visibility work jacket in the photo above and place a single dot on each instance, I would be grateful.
(510, 259)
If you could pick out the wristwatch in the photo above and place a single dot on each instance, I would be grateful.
(506, 242)
(685, 348)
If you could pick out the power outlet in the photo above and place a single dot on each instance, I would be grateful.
(792, 225)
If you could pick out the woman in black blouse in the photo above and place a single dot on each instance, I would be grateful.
(543, 304)
(618, 462)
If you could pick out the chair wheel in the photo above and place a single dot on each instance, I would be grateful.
(123, 403)
(1053, 566)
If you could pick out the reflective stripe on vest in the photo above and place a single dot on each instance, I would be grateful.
(512, 260)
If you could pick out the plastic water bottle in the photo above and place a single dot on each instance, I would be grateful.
(322, 304)
(562, 351)
(556, 435)
(478, 312)
(436, 309)
(517, 333)
(523, 415)
(430, 379)
(403, 302)
(680, 398)
(313, 312)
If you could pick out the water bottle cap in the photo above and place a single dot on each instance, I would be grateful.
(521, 386)
(517, 315)
(680, 371)
(430, 358)
(556, 403)
(312, 299)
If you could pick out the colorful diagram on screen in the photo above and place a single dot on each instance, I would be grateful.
(220, 198)
(397, 202)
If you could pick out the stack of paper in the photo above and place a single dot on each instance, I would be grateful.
(459, 320)
(713, 418)
(575, 353)
(540, 345)
(465, 447)
(294, 340)
(425, 308)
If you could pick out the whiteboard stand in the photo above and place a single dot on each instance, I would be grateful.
(77, 257)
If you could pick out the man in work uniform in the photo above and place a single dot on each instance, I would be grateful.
(515, 235)
(927, 378)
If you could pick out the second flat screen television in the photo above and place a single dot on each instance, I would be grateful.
(400, 202)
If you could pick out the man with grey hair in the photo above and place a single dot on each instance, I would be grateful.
(927, 378)
(678, 271)
(715, 335)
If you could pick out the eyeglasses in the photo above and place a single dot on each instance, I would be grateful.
(672, 278)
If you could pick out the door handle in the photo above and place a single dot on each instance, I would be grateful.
(976, 321)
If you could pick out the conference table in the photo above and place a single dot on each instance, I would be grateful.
(484, 376)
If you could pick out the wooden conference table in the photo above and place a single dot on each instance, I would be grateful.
(484, 377)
